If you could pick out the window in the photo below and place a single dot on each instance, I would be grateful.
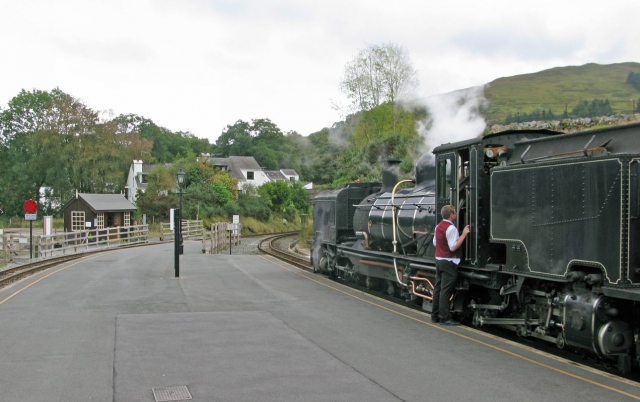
(100, 223)
(77, 221)
(127, 219)
(249, 175)
(444, 178)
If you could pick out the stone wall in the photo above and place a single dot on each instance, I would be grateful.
(568, 125)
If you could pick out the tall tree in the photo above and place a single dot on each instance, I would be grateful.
(378, 74)
(39, 128)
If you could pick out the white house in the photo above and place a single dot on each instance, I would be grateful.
(137, 179)
(243, 168)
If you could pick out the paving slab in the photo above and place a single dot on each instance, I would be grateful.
(230, 356)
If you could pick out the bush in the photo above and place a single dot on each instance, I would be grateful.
(254, 207)
(290, 214)
(231, 208)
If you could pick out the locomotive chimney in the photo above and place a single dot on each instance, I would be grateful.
(425, 169)
(390, 174)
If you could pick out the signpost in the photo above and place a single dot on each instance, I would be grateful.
(30, 214)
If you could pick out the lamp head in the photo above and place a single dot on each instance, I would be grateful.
(180, 176)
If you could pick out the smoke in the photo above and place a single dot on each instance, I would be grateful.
(452, 117)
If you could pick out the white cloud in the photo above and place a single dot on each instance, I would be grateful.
(199, 65)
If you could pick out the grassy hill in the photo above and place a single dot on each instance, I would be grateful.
(562, 87)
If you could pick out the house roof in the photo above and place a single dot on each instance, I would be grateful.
(237, 164)
(275, 175)
(146, 168)
(289, 172)
(107, 202)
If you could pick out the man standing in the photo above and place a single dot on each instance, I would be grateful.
(447, 243)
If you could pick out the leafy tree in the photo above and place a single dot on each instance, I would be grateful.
(254, 207)
(261, 139)
(299, 198)
(39, 131)
(166, 144)
(234, 138)
(378, 74)
(276, 194)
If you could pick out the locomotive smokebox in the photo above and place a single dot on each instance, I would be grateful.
(425, 169)
(390, 171)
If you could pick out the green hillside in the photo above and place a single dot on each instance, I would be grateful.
(562, 87)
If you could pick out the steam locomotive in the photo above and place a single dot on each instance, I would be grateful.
(554, 248)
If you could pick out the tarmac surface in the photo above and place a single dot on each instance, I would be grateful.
(118, 326)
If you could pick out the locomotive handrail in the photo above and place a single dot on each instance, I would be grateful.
(586, 147)
(524, 153)
(388, 205)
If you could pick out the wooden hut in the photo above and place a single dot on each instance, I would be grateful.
(97, 211)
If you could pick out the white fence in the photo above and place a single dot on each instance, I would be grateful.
(215, 240)
(190, 229)
(16, 246)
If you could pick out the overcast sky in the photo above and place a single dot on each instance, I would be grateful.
(200, 65)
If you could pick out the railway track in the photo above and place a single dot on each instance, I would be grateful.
(11, 275)
(277, 246)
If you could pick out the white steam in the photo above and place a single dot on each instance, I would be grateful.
(452, 117)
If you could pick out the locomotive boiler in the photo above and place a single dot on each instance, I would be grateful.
(554, 248)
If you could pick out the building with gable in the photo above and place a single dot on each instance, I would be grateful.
(97, 211)
(137, 180)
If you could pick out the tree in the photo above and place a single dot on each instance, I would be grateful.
(378, 74)
(277, 195)
(39, 131)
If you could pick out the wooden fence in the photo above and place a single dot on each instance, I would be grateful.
(219, 238)
(190, 229)
(16, 246)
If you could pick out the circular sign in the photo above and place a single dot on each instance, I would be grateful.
(30, 206)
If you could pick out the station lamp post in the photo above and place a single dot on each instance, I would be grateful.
(178, 225)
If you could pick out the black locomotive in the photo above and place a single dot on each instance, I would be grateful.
(554, 249)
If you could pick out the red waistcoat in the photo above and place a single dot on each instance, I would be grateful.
(442, 244)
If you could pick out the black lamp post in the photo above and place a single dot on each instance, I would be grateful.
(181, 175)
(178, 226)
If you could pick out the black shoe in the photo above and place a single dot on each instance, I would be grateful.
(450, 322)
(435, 320)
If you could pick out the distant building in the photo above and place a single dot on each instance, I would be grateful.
(137, 179)
(245, 169)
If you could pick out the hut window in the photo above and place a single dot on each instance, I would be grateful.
(127, 219)
(100, 219)
(77, 221)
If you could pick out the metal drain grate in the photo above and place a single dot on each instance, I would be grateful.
(179, 393)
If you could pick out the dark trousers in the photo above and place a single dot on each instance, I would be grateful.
(446, 278)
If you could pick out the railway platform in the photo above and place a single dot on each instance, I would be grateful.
(118, 326)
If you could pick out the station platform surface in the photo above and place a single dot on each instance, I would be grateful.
(118, 326)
